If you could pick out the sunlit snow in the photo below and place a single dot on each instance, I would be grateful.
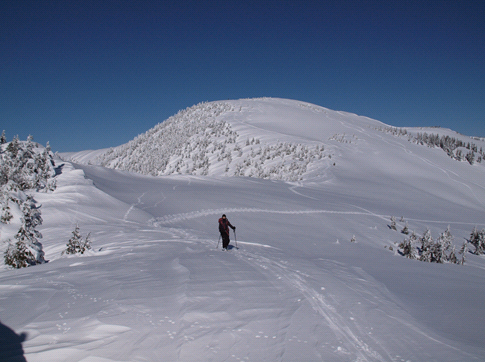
(155, 287)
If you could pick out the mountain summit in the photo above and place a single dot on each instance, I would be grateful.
(265, 138)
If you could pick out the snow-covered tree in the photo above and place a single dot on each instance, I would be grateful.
(5, 211)
(77, 244)
(27, 250)
(444, 246)
(463, 252)
(440, 251)
(18, 255)
(452, 258)
(427, 250)
(28, 168)
(477, 239)
(23, 167)
(407, 248)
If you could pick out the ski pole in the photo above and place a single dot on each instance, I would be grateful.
(217, 247)
(235, 238)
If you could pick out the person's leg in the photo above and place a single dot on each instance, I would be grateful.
(225, 241)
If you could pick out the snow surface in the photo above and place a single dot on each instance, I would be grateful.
(156, 288)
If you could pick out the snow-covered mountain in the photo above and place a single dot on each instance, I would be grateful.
(264, 138)
(317, 274)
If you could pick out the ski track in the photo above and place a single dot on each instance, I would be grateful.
(169, 219)
(139, 202)
(453, 176)
(449, 174)
(174, 218)
(336, 322)
(292, 189)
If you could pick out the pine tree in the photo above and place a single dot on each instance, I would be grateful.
(13, 147)
(426, 247)
(5, 214)
(18, 255)
(463, 252)
(452, 257)
(477, 239)
(77, 244)
(3, 140)
(408, 249)
(445, 241)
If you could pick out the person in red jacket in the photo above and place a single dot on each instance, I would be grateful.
(224, 226)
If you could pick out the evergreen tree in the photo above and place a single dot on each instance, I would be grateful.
(3, 140)
(452, 257)
(426, 247)
(408, 249)
(463, 252)
(477, 240)
(13, 147)
(27, 250)
(77, 244)
(5, 214)
(18, 255)
(445, 241)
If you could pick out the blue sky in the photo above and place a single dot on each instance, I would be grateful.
(95, 74)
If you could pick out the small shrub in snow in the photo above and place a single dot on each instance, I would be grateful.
(393, 223)
(77, 244)
(405, 229)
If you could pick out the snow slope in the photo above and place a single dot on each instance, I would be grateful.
(155, 287)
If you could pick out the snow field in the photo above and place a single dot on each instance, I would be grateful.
(155, 287)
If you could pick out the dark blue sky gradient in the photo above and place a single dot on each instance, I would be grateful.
(94, 74)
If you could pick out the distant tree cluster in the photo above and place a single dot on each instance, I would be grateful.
(426, 249)
(455, 148)
(24, 166)
(197, 141)
(395, 131)
(343, 138)
(441, 250)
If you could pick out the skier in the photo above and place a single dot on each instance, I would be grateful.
(224, 225)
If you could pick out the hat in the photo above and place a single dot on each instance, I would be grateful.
(223, 215)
